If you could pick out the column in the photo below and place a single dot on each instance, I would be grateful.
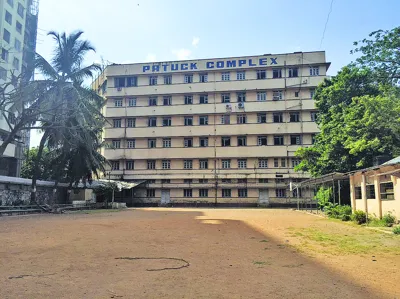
(352, 193)
(378, 195)
(364, 192)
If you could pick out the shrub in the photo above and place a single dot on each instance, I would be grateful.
(338, 212)
(360, 217)
(323, 196)
(396, 230)
(388, 220)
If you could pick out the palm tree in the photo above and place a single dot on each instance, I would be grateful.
(76, 120)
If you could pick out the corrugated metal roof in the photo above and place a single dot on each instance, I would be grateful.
(393, 161)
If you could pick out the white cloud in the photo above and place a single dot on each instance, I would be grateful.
(182, 54)
(151, 57)
(195, 41)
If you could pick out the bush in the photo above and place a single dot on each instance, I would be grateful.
(360, 217)
(388, 220)
(396, 230)
(323, 196)
(338, 212)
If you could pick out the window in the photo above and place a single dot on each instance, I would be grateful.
(261, 74)
(187, 164)
(16, 63)
(166, 122)
(188, 100)
(261, 96)
(295, 139)
(294, 193)
(296, 94)
(226, 163)
(313, 138)
(188, 78)
(277, 95)
(263, 181)
(226, 181)
(203, 78)
(226, 192)
(6, 35)
(241, 97)
(241, 118)
(116, 143)
(117, 103)
(225, 76)
(203, 192)
(131, 81)
(150, 193)
(187, 181)
(203, 99)
(188, 142)
(131, 122)
(203, 120)
(276, 162)
(242, 163)
(119, 82)
(8, 18)
(261, 118)
(312, 93)
(130, 165)
(203, 181)
(117, 123)
(387, 191)
(152, 122)
(263, 163)
(167, 101)
(293, 72)
(166, 142)
(241, 141)
(114, 165)
(242, 192)
(153, 101)
(131, 143)
(165, 181)
(278, 140)
(3, 73)
(283, 162)
(294, 117)
(226, 97)
(20, 10)
(188, 120)
(132, 102)
(203, 141)
(262, 140)
(168, 79)
(151, 142)
(203, 163)
(314, 71)
(151, 164)
(242, 181)
(225, 141)
(240, 75)
(357, 192)
(225, 119)
(187, 193)
(280, 193)
(278, 117)
(166, 164)
(151, 181)
(277, 73)
(11, 2)
(370, 192)
(295, 162)
(313, 115)
(153, 80)
(4, 54)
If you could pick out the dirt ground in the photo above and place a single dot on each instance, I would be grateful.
(219, 253)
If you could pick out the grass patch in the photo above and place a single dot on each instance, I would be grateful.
(261, 263)
(264, 241)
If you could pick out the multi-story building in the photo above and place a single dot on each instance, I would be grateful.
(213, 130)
(18, 31)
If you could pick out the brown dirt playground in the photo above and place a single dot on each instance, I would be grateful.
(220, 253)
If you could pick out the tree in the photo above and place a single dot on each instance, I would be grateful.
(45, 168)
(381, 54)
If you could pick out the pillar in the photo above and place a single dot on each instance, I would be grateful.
(364, 192)
(352, 193)
(378, 195)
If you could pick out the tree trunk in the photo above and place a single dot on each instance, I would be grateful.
(10, 137)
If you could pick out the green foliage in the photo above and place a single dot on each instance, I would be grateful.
(360, 217)
(338, 211)
(396, 230)
(46, 170)
(323, 196)
(389, 220)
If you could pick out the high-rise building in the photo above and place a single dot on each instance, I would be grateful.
(18, 31)
(221, 130)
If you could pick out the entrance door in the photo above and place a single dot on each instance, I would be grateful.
(165, 197)
(263, 197)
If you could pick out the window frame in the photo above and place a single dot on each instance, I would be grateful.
(241, 75)
(262, 163)
(225, 76)
(225, 163)
(166, 164)
(203, 120)
(281, 139)
(242, 163)
(260, 139)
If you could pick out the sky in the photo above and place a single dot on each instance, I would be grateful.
(128, 31)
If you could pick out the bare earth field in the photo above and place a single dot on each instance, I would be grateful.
(219, 253)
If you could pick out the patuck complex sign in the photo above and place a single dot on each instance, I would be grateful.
(220, 64)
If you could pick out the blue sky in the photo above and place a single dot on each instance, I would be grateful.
(126, 31)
